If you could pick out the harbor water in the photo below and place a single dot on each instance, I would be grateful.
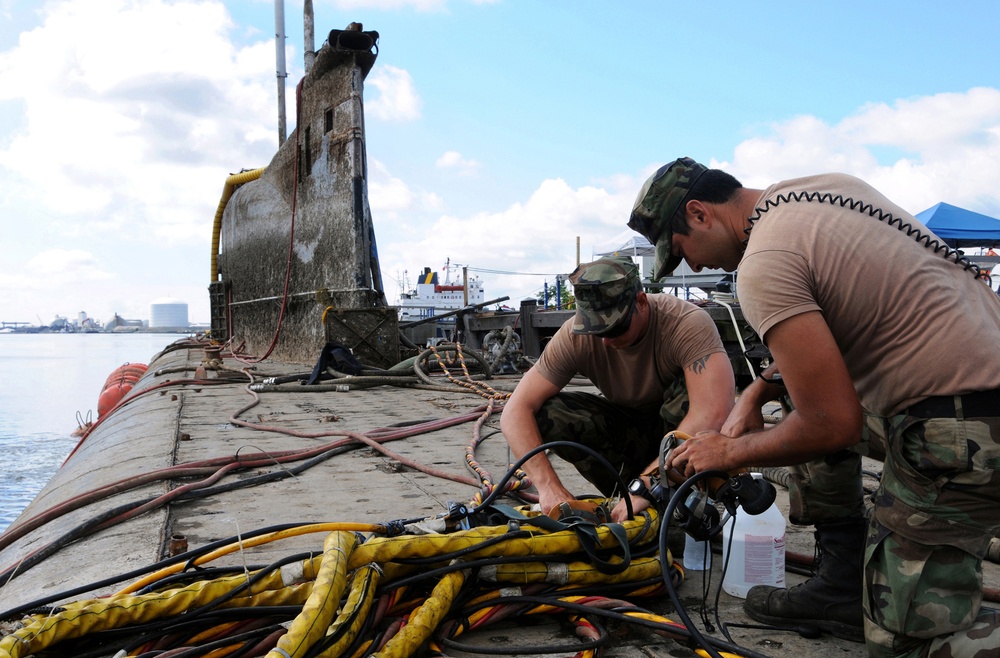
(48, 382)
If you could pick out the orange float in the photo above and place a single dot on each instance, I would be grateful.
(118, 384)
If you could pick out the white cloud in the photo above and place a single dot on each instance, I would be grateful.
(390, 196)
(944, 147)
(918, 152)
(63, 266)
(64, 274)
(120, 127)
(419, 5)
(538, 236)
(397, 99)
(454, 161)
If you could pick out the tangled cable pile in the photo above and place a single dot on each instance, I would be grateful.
(412, 587)
(372, 591)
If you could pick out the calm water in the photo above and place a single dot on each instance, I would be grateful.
(45, 381)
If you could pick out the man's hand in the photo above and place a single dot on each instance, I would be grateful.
(745, 417)
(620, 512)
(551, 496)
(521, 431)
(705, 451)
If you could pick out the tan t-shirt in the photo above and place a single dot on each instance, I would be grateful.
(679, 333)
(909, 322)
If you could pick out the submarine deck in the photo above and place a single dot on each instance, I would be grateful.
(189, 412)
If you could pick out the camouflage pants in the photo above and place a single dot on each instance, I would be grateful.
(936, 508)
(627, 438)
(830, 488)
(935, 511)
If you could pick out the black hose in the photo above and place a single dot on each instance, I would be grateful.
(612, 614)
(110, 642)
(679, 495)
(498, 489)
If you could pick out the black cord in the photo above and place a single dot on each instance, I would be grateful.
(611, 614)
(187, 577)
(718, 592)
(110, 644)
(247, 638)
(498, 489)
(929, 241)
(680, 495)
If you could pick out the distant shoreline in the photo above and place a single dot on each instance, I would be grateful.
(124, 330)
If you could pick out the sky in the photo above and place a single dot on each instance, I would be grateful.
(500, 134)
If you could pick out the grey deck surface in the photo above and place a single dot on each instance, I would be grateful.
(176, 424)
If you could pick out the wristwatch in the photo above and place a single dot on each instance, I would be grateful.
(638, 488)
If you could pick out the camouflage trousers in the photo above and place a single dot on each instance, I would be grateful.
(627, 438)
(830, 488)
(935, 511)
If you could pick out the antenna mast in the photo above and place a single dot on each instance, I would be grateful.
(309, 39)
(279, 51)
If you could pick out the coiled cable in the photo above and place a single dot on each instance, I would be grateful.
(863, 207)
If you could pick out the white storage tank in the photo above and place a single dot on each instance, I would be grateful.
(168, 313)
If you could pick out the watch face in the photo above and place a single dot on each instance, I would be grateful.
(636, 487)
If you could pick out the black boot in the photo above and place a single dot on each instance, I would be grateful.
(830, 600)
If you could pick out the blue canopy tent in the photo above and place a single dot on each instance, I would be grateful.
(961, 228)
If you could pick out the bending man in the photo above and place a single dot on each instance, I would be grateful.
(659, 364)
(819, 262)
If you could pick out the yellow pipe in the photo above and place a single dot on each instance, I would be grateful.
(340, 562)
(233, 182)
(569, 573)
(81, 618)
(319, 610)
(248, 543)
(382, 550)
(356, 610)
(425, 619)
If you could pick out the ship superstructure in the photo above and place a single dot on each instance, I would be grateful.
(431, 297)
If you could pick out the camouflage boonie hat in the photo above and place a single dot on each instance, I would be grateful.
(605, 291)
(661, 196)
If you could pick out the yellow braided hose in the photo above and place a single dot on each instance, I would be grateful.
(319, 610)
(320, 582)
(81, 618)
(250, 543)
(232, 182)
(572, 573)
(388, 549)
(425, 619)
(356, 609)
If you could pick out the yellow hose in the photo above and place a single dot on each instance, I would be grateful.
(388, 549)
(233, 182)
(81, 618)
(356, 609)
(319, 584)
(249, 543)
(310, 625)
(572, 573)
(425, 619)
